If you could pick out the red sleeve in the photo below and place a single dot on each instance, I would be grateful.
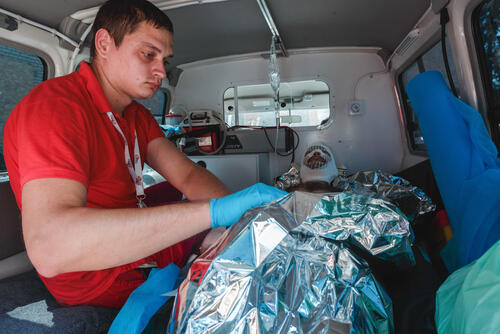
(53, 141)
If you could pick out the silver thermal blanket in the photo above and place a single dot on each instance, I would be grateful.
(411, 200)
(289, 267)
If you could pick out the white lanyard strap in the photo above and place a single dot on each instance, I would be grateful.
(135, 170)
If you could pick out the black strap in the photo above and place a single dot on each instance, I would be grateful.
(145, 272)
(445, 18)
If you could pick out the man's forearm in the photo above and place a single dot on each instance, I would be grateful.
(80, 239)
(202, 185)
(194, 181)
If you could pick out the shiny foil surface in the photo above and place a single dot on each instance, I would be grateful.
(290, 178)
(288, 267)
(409, 199)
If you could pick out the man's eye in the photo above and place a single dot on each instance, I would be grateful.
(148, 54)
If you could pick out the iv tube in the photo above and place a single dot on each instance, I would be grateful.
(274, 80)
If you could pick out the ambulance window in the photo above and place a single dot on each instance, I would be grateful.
(431, 60)
(486, 22)
(20, 72)
(157, 104)
(301, 104)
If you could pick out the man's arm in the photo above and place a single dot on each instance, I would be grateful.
(62, 235)
(194, 181)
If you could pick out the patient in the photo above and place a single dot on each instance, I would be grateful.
(317, 170)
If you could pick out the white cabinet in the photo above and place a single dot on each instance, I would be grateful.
(237, 171)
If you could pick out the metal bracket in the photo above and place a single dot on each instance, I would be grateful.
(272, 26)
(8, 23)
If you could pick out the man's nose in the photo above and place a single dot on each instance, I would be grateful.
(159, 70)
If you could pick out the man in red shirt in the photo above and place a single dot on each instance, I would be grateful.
(74, 149)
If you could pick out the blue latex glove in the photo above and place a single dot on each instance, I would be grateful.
(227, 210)
(144, 301)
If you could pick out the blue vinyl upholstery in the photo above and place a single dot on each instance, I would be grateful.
(465, 164)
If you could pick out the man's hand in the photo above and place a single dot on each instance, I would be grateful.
(226, 211)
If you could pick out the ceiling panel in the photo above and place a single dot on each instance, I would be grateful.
(218, 29)
(237, 26)
(317, 23)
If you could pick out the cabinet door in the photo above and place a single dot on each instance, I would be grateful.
(235, 171)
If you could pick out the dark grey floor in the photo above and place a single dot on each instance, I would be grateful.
(27, 307)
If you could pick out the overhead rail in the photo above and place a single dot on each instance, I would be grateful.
(38, 25)
(76, 51)
(272, 26)
(87, 15)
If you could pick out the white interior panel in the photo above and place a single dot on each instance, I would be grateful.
(371, 140)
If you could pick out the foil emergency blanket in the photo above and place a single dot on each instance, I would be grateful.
(289, 179)
(409, 199)
(288, 267)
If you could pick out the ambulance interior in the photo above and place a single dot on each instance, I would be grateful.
(343, 67)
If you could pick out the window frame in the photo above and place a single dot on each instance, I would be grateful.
(492, 109)
(401, 88)
(48, 73)
(166, 104)
(325, 123)
(48, 64)
(405, 108)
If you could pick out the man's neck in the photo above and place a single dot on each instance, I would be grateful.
(117, 100)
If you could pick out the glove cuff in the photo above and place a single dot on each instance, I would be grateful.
(213, 222)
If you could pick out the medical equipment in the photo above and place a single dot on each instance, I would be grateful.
(208, 129)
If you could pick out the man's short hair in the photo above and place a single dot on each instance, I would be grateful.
(121, 17)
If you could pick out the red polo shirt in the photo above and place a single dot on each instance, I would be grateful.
(60, 129)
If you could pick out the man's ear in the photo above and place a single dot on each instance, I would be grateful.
(104, 42)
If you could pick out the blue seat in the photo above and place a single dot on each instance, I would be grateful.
(465, 164)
